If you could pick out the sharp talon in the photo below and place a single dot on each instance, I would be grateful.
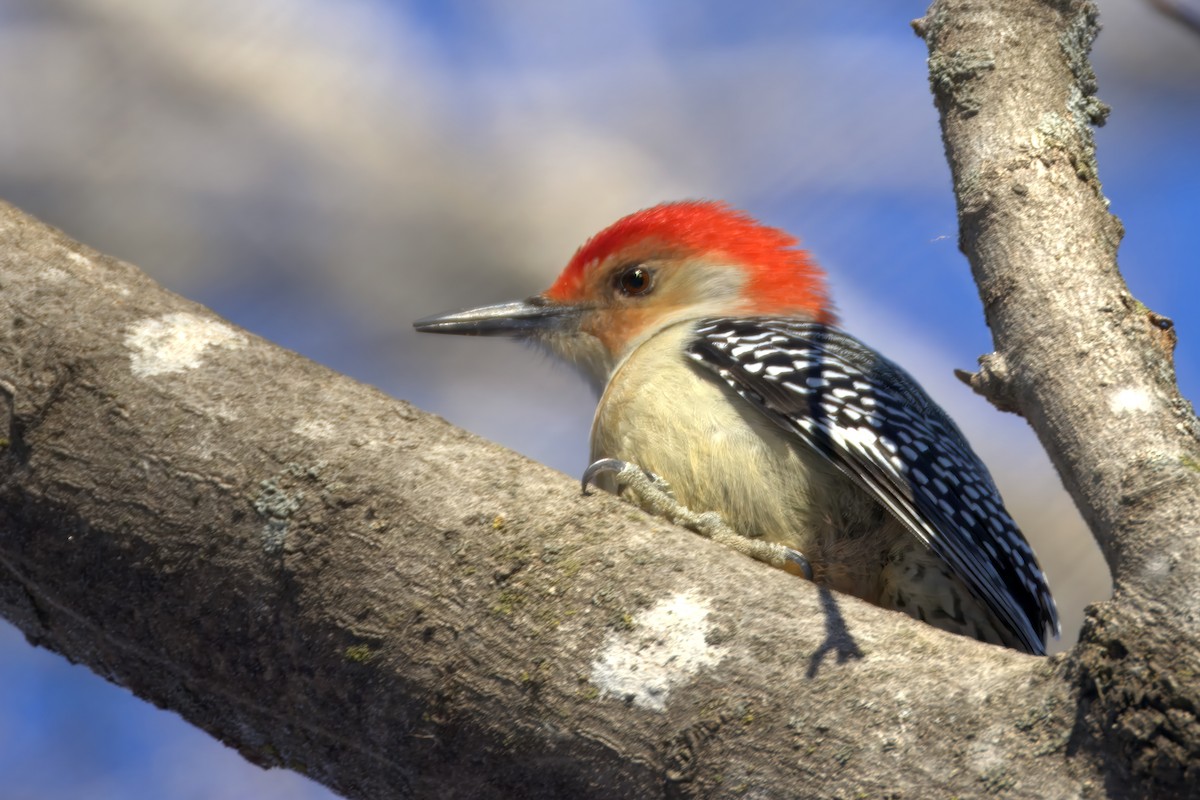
(797, 564)
(597, 467)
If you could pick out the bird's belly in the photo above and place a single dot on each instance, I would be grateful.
(720, 454)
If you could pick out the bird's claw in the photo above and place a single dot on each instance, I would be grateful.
(627, 476)
(654, 495)
(599, 467)
(795, 563)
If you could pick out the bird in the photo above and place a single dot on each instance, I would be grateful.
(731, 401)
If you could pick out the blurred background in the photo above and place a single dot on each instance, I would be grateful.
(323, 173)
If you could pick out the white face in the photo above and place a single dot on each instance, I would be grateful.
(625, 301)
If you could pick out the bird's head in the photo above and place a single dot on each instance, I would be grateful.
(655, 268)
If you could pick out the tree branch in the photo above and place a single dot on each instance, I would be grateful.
(329, 580)
(1085, 363)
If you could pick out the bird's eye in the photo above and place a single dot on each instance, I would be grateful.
(635, 281)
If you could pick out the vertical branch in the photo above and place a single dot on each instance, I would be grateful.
(1084, 362)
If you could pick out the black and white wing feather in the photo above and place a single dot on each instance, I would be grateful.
(875, 423)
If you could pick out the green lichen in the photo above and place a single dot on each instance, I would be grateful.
(1056, 132)
(951, 76)
(586, 690)
(278, 501)
(359, 653)
(508, 602)
(276, 505)
(531, 677)
(549, 615)
(998, 779)
(1076, 43)
(1085, 108)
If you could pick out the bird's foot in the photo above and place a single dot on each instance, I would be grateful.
(654, 495)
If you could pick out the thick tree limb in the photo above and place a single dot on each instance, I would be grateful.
(332, 581)
(329, 580)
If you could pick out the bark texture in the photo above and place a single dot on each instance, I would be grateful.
(331, 581)
(1083, 361)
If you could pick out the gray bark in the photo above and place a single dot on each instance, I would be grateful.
(1083, 361)
(331, 581)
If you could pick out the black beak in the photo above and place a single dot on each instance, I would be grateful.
(520, 319)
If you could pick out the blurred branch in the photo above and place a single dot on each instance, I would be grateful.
(1187, 17)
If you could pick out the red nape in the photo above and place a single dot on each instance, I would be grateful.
(783, 278)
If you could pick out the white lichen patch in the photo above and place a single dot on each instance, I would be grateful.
(1159, 567)
(176, 342)
(54, 275)
(1128, 400)
(319, 429)
(665, 647)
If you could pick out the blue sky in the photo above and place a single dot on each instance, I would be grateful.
(324, 173)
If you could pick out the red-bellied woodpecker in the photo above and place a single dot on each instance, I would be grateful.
(726, 387)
